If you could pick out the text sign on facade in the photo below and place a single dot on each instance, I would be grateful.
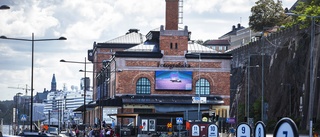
(231, 120)
(201, 100)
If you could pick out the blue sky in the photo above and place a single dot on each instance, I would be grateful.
(83, 22)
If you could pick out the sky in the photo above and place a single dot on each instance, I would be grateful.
(84, 22)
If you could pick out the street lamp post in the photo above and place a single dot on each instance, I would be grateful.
(85, 71)
(248, 96)
(84, 90)
(237, 98)
(312, 68)
(32, 62)
(199, 86)
(85, 84)
(16, 112)
(289, 85)
(4, 7)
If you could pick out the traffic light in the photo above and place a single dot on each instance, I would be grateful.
(213, 117)
(217, 117)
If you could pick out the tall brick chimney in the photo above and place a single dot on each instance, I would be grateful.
(173, 42)
(172, 14)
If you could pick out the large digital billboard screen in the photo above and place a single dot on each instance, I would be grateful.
(173, 80)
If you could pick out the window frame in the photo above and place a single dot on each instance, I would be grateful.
(204, 87)
(143, 86)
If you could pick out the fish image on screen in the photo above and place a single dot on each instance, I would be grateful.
(173, 80)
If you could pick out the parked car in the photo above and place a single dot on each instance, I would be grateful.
(53, 130)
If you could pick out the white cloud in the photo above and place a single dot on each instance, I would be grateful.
(82, 22)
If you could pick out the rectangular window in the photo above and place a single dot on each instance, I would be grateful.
(170, 45)
(176, 45)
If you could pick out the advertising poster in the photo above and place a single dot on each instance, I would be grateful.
(152, 125)
(144, 125)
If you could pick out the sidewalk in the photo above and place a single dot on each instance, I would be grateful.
(226, 135)
(63, 134)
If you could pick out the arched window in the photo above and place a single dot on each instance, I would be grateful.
(203, 87)
(143, 86)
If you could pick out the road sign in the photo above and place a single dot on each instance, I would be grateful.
(23, 117)
(213, 131)
(286, 127)
(260, 130)
(169, 125)
(179, 120)
(195, 130)
(243, 130)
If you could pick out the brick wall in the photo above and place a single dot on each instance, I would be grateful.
(100, 54)
(142, 63)
(167, 41)
(172, 15)
(219, 81)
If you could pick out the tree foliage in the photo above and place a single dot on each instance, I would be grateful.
(257, 110)
(304, 12)
(266, 13)
(6, 108)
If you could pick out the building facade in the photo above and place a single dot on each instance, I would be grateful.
(163, 73)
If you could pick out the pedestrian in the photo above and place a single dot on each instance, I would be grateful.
(91, 134)
(102, 132)
(77, 132)
(108, 132)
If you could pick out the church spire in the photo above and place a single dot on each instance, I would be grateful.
(53, 83)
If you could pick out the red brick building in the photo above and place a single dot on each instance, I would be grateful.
(152, 78)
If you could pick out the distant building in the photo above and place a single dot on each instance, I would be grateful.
(39, 97)
(38, 114)
(61, 104)
(53, 83)
(218, 45)
(239, 36)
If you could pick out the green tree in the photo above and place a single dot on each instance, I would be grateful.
(242, 113)
(267, 13)
(303, 10)
(6, 108)
(257, 109)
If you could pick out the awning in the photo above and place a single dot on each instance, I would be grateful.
(156, 99)
(88, 107)
(162, 99)
(117, 102)
(179, 108)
